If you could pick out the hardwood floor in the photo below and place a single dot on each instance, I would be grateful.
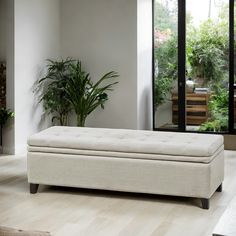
(76, 212)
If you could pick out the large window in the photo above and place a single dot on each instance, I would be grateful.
(166, 62)
(192, 83)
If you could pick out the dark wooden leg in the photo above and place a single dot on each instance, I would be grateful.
(34, 188)
(219, 189)
(205, 203)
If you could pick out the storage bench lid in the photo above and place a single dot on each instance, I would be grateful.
(128, 141)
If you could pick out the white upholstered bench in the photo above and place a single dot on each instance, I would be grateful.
(179, 164)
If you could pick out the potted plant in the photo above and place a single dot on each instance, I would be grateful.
(5, 115)
(52, 92)
(83, 94)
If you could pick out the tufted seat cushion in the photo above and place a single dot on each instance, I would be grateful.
(127, 143)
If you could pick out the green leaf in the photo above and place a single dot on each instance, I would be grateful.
(84, 95)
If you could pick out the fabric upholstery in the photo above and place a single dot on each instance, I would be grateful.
(126, 174)
(180, 164)
(128, 141)
(108, 154)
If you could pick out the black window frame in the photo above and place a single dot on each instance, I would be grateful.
(182, 69)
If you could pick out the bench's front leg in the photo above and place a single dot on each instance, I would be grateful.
(220, 188)
(33, 188)
(205, 203)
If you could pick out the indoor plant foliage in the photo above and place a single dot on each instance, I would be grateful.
(53, 94)
(66, 87)
(5, 115)
(83, 94)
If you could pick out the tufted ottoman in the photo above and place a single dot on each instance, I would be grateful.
(180, 164)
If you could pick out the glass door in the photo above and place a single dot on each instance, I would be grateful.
(166, 64)
(194, 75)
(207, 65)
(232, 104)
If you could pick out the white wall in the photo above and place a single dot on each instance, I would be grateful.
(37, 37)
(103, 34)
(144, 49)
(113, 35)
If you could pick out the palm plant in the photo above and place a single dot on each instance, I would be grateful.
(84, 95)
(5, 115)
(52, 87)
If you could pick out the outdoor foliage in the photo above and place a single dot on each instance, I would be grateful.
(163, 87)
(166, 19)
(165, 50)
(207, 51)
(218, 108)
(166, 69)
(207, 54)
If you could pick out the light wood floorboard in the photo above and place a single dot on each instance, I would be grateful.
(76, 212)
